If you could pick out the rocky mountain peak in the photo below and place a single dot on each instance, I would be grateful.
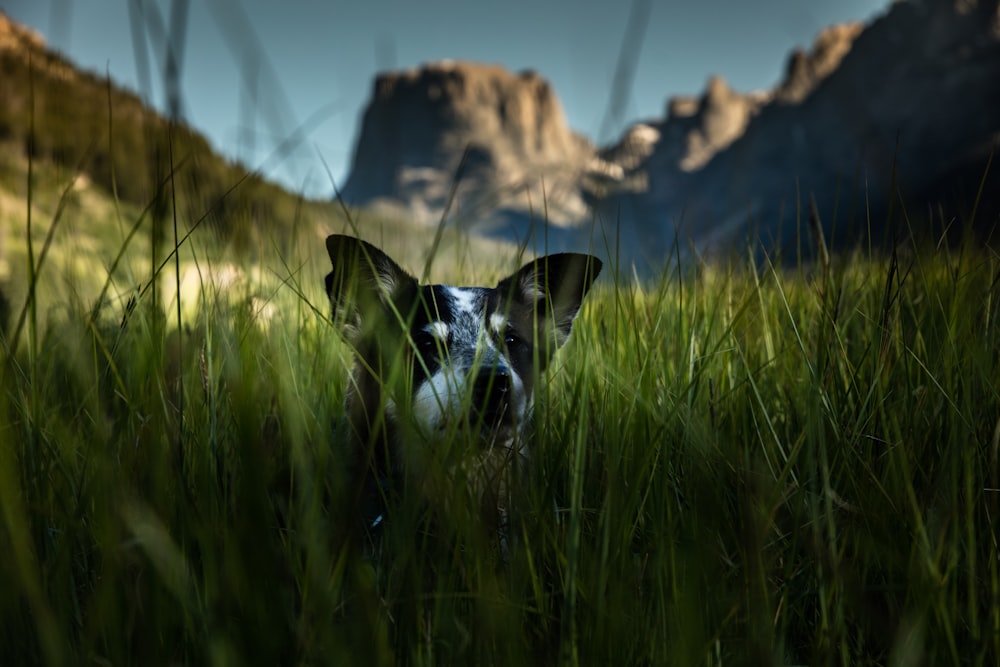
(696, 128)
(903, 108)
(721, 117)
(805, 69)
(910, 96)
(505, 129)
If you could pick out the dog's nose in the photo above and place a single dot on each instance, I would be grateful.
(491, 395)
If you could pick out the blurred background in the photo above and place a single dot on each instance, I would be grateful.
(250, 74)
(647, 131)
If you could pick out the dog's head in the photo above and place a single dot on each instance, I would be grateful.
(434, 359)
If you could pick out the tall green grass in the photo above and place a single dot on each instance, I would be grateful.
(746, 465)
(741, 465)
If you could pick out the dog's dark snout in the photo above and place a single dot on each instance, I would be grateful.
(490, 394)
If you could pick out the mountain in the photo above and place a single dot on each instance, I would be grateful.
(53, 112)
(905, 109)
(647, 221)
(500, 139)
(908, 112)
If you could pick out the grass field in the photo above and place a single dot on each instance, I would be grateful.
(750, 465)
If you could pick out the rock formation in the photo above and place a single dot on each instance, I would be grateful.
(502, 135)
(805, 69)
(644, 212)
(695, 130)
(907, 109)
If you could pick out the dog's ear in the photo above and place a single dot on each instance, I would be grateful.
(363, 278)
(554, 286)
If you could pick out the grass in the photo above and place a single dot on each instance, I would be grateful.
(750, 465)
(744, 464)
(740, 465)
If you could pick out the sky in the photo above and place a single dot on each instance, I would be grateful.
(261, 76)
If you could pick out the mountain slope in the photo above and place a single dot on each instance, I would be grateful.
(102, 183)
(904, 109)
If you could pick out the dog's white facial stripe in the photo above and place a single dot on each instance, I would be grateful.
(466, 324)
(464, 299)
(498, 323)
(439, 330)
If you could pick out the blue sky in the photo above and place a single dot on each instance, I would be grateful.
(315, 61)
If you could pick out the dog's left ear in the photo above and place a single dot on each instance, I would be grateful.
(555, 285)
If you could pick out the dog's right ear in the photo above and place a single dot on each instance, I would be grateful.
(363, 278)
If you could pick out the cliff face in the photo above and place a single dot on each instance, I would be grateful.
(501, 134)
(806, 69)
(914, 96)
(647, 209)
(696, 129)
(907, 107)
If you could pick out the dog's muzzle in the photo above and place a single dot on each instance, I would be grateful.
(491, 397)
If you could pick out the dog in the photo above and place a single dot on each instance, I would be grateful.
(440, 364)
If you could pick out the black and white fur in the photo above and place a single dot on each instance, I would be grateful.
(436, 360)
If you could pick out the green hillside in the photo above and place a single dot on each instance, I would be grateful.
(84, 123)
(107, 178)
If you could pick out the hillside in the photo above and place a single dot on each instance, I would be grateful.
(86, 124)
(110, 177)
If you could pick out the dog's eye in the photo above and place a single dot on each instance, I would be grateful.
(511, 339)
(424, 342)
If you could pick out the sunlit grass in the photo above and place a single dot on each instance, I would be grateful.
(743, 464)
(740, 464)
